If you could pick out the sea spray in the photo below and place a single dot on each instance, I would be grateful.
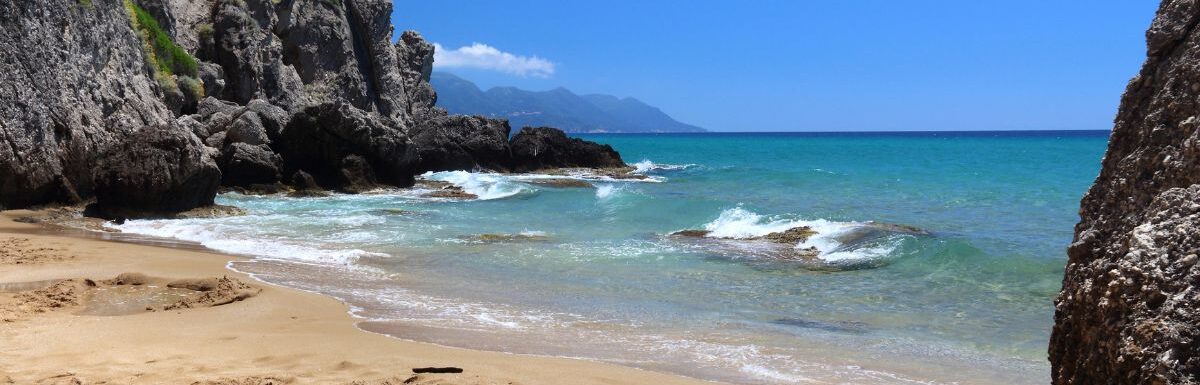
(486, 186)
(739, 223)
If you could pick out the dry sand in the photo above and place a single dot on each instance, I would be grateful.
(201, 329)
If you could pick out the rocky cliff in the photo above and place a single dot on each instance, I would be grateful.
(140, 103)
(1129, 310)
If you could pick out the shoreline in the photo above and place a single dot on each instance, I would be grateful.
(282, 335)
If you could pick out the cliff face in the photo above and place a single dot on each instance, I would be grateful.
(264, 89)
(1129, 310)
(73, 82)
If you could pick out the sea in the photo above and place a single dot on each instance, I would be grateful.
(937, 255)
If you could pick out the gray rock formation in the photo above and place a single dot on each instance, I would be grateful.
(73, 82)
(246, 165)
(1129, 310)
(321, 138)
(416, 67)
(456, 142)
(544, 147)
(159, 169)
(251, 54)
(272, 88)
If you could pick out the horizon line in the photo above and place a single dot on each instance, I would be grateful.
(844, 132)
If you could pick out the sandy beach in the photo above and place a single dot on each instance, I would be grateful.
(256, 334)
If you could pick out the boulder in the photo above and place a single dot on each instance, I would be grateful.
(356, 175)
(247, 165)
(159, 169)
(456, 142)
(272, 117)
(320, 138)
(248, 129)
(304, 185)
(545, 147)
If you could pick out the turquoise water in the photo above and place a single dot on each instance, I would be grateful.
(594, 273)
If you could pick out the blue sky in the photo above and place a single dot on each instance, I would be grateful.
(851, 65)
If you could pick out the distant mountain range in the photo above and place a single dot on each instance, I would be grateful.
(556, 108)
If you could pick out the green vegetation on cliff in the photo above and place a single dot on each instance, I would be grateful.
(167, 57)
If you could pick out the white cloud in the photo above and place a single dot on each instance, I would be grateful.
(483, 56)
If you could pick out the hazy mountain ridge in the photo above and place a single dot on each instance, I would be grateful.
(558, 107)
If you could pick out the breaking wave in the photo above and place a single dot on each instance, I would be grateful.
(837, 241)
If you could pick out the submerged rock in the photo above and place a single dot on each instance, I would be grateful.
(792, 236)
(447, 190)
(780, 246)
(852, 327)
(560, 183)
(691, 233)
(617, 173)
(518, 237)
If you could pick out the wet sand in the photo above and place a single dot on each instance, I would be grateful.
(98, 328)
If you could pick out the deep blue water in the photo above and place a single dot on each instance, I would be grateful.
(594, 273)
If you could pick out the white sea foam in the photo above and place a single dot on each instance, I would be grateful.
(606, 191)
(739, 223)
(218, 237)
(645, 166)
(486, 186)
(769, 374)
(533, 233)
(489, 186)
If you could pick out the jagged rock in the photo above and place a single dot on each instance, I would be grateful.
(246, 165)
(161, 11)
(75, 82)
(159, 169)
(213, 78)
(1127, 313)
(252, 55)
(192, 19)
(319, 138)
(545, 147)
(211, 105)
(79, 84)
(561, 183)
(416, 66)
(456, 142)
(371, 20)
(319, 43)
